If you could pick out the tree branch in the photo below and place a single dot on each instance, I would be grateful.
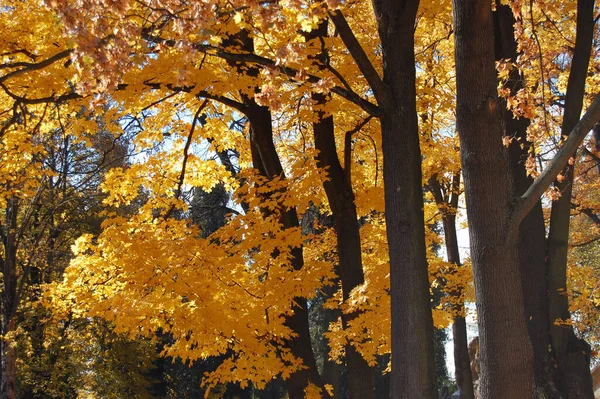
(41, 100)
(28, 67)
(186, 150)
(526, 202)
(358, 54)
(252, 58)
(348, 146)
(588, 212)
(351, 96)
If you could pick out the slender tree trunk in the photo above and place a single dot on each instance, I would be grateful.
(506, 354)
(532, 232)
(338, 189)
(462, 363)
(266, 160)
(571, 353)
(413, 364)
(9, 302)
(264, 151)
(341, 200)
(332, 373)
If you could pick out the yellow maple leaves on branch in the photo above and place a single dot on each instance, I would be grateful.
(178, 79)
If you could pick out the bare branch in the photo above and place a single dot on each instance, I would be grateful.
(526, 202)
(348, 146)
(359, 55)
(186, 150)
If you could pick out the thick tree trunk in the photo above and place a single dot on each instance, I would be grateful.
(267, 161)
(341, 200)
(505, 351)
(413, 365)
(571, 353)
(532, 233)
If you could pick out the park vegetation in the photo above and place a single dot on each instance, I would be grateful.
(262, 198)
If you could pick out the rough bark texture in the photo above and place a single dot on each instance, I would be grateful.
(269, 164)
(448, 205)
(532, 232)
(571, 353)
(413, 365)
(505, 354)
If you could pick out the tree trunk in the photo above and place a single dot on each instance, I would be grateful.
(505, 351)
(332, 372)
(262, 143)
(596, 134)
(341, 200)
(9, 302)
(413, 364)
(462, 363)
(532, 232)
(571, 353)
(266, 160)
(338, 189)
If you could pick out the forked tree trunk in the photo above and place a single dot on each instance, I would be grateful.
(266, 160)
(341, 200)
(505, 350)
(413, 364)
(339, 193)
(532, 232)
(571, 353)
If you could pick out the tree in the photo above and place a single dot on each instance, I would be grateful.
(338, 188)
(446, 198)
(495, 211)
(253, 78)
(412, 333)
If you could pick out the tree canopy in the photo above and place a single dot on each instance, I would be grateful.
(219, 182)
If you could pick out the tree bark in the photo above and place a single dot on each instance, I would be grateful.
(413, 364)
(9, 302)
(340, 196)
(266, 160)
(571, 353)
(262, 143)
(532, 232)
(341, 200)
(506, 354)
